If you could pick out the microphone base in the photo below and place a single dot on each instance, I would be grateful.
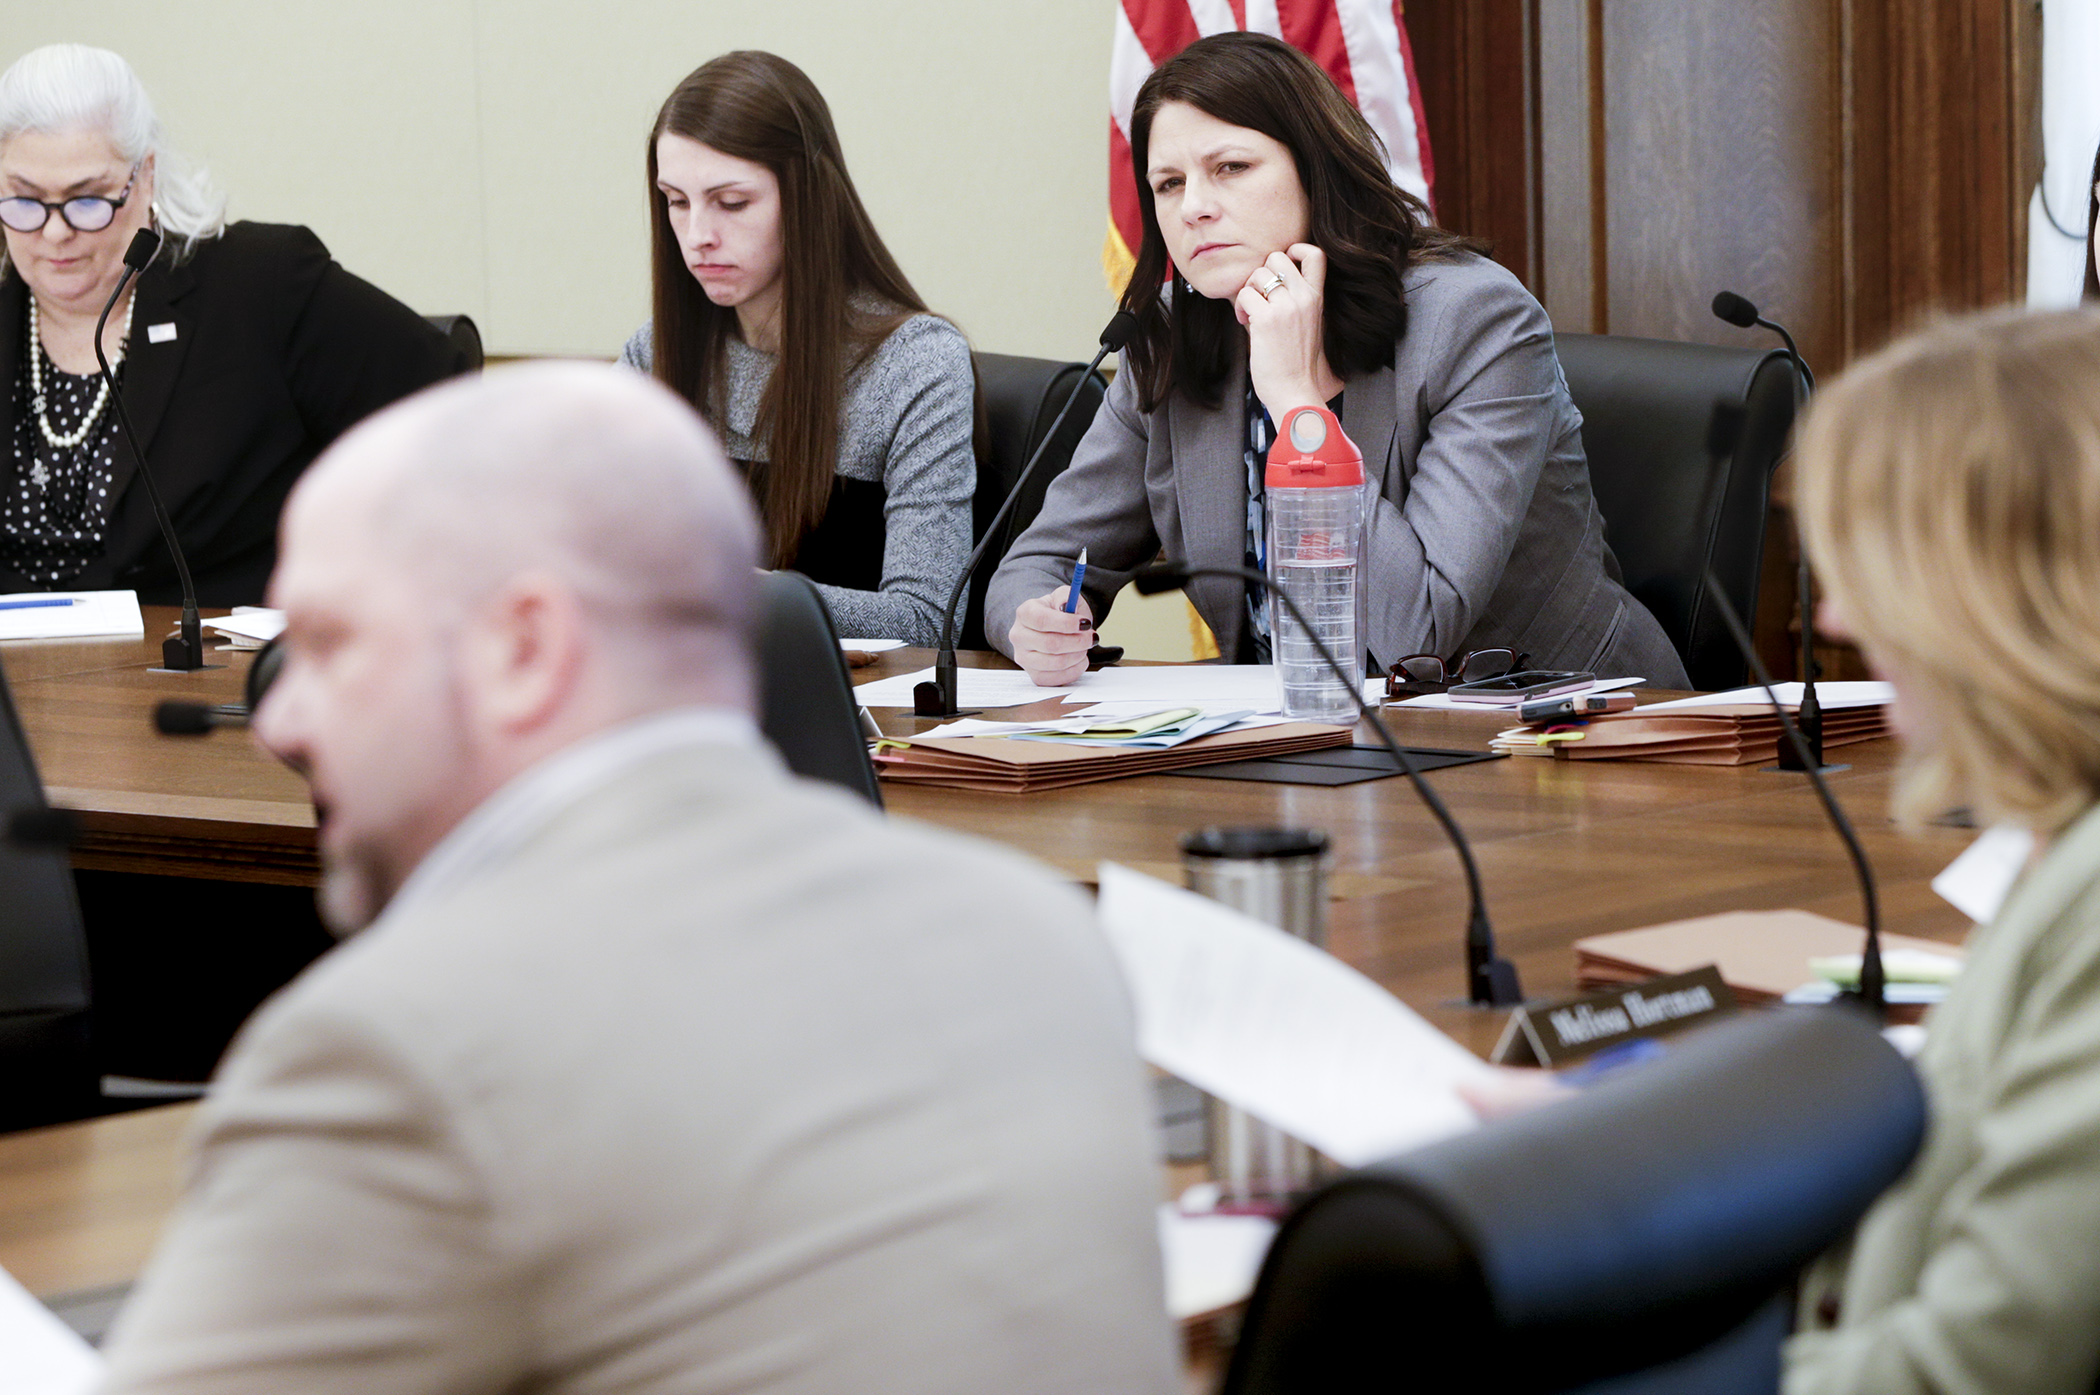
(936, 696)
(1493, 984)
(1797, 770)
(927, 701)
(183, 651)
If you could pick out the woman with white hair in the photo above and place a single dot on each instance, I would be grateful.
(241, 351)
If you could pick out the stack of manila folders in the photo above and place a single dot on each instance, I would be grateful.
(1737, 727)
(1797, 957)
(1769, 957)
(1105, 741)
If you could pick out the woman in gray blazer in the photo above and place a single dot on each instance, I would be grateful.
(1303, 275)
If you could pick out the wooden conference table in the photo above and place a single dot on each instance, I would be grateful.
(1566, 849)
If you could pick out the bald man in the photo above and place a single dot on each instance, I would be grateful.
(650, 1068)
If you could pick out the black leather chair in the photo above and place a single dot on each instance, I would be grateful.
(463, 333)
(806, 704)
(1021, 398)
(1638, 1238)
(47, 1064)
(1672, 502)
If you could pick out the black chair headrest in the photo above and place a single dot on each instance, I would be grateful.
(1626, 1227)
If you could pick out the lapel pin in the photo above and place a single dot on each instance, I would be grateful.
(161, 333)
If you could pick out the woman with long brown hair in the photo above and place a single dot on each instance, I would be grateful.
(779, 314)
(1303, 275)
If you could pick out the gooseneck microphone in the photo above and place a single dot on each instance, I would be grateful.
(1872, 992)
(175, 718)
(1742, 313)
(1491, 981)
(937, 698)
(183, 651)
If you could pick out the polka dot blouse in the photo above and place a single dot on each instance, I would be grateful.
(55, 501)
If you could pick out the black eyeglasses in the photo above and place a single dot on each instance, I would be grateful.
(88, 213)
(1418, 674)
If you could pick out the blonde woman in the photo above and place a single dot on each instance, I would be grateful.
(1950, 492)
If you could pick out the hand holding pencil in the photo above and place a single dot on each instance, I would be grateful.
(1052, 633)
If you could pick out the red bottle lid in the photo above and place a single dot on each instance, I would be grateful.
(1312, 453)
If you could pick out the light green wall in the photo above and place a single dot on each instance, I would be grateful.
(486, 155)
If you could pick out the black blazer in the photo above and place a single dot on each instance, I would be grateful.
(276, 352)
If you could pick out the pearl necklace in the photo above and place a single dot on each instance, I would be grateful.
(36, 382)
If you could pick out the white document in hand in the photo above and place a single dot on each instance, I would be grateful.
(1280, 1028)
(39, 1355)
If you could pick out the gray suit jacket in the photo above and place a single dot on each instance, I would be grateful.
(721, 1082)
(1486, 533)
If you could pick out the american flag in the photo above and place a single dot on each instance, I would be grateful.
(1361, 43)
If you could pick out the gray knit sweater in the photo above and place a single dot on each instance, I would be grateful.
(905, 421)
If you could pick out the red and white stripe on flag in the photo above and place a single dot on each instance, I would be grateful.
(1361, 43)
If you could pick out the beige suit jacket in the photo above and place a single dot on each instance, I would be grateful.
(721, 1082)
(1980, 1270)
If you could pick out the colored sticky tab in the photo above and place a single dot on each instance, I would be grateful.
(160, 333)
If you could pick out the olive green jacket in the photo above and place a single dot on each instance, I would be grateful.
(1980, 1270)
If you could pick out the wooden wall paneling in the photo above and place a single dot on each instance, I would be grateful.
(1572, 202)
(1720, 140)
(2027, 125)
(1475, 61)
(1691, 146)
(1852, 167)
(1935, 196)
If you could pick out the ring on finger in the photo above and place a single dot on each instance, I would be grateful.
(1269, 287)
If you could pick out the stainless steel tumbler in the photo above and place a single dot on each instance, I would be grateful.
(1277, 875)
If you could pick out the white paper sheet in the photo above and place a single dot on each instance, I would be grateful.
(871, 646)
(1245, 687)
(1279, 1028)
(1073, 727)
(1816, 992)
(93, 615)
(1211, 1262)
(250, 622)
(1081, 718)
(1213, 687)
(1859, 693)
(40, 1355)
(1977, 882)
(1447, 703)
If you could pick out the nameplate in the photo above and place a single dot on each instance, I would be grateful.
(161, 333)
(1557, 1033)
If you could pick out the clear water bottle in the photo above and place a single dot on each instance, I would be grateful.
(1314, 482)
